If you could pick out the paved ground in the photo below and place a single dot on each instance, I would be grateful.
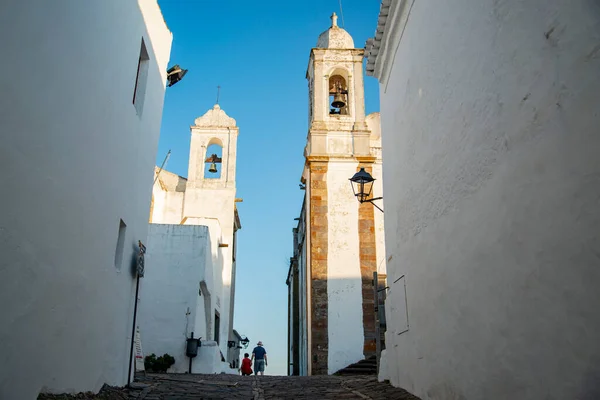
(234, 387)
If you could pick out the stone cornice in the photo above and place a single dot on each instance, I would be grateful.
(361, 159)
(311, 159)
(381, 49)
(318, 56)
(366, 159)
(234, 130)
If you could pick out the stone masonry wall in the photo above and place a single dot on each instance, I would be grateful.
(318, 266)
(368, 265)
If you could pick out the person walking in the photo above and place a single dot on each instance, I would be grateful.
(259, 355)
(246, 365)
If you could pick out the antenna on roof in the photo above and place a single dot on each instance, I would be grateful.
(342, 14)
(218, 92)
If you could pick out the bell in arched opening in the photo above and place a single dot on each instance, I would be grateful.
(213, 160)
(338, 100)
(338, 92)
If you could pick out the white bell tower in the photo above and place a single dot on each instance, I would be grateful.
(212, 194)
(345, 238)
(336, 95)
(213, 128)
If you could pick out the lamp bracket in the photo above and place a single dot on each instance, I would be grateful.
(371, 201)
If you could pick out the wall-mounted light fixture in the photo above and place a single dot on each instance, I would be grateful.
(362, 186)
(175, 74)
(244, 340)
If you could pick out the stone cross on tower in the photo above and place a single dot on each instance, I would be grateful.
(334, 18)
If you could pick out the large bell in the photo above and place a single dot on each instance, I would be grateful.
(338, 101)
(213, 168)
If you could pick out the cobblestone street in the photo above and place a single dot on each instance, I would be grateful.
(234, 387)
(172, 387)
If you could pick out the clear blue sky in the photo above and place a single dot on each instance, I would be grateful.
(258, 53)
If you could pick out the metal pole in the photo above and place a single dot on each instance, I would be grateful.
(137, 288)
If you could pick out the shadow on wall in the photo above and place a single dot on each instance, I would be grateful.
(591, 379)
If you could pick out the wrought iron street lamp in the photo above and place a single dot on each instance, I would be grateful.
(362, 186)
(245, 341)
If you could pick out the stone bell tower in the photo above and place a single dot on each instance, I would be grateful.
(345, 238)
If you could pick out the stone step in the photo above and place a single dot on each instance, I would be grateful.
(357, 371)
(367, 362)
(363, 367)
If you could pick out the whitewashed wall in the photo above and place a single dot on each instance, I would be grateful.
(183, 260)
(219, 287)
(167, 206)
(344, 285)
(491, 143)
(169, 292)
(76, 158)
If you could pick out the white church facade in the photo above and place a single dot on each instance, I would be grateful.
(339, 242)
(189, 285)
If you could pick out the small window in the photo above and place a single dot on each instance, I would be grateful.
(141, 78)
(120, 245)
(217, 326)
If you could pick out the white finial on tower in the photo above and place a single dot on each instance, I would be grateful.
(334, 19)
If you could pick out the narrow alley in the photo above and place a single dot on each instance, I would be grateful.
(234, 387)
(361, 199)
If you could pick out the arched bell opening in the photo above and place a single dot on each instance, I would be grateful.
(213, 161)
(338, 95)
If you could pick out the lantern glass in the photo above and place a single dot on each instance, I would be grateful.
(362, 185)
